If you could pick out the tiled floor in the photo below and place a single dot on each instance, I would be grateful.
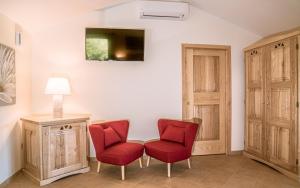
(207, 172)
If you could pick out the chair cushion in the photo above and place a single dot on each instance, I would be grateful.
(166, 151)
(122, 154)
(174, 134)
(111, 137)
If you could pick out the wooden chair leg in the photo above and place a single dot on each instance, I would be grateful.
(148, 160)
(169, 170)
(141, 162)
(98, 168)
(123, 172)
(189, 162)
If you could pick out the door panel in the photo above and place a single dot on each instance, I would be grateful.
(255, 67)
(281, 103)
(61, 150)
(255, 103)
(32, 148)
(279, 145)
(255, 129)
(280, 62)
(206, 74)
(255, 123)
(204, 97)
(210, 118)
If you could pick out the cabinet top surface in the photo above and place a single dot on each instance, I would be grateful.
(45, 118)
(273, 38)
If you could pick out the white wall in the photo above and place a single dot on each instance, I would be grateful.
(139, 91)
(10, 129)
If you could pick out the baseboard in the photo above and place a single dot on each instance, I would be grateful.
(237, 152)
(8, 180)
(92, 159)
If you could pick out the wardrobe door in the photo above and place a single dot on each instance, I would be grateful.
(281, 88)
(255, 125)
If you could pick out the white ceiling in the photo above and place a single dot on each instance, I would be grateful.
(35, 15)
(261, 17)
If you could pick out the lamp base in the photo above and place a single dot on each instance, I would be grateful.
(57, 106)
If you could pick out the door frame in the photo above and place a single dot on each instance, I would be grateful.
(227, 49)
(297, 113)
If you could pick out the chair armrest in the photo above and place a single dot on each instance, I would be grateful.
(97, 136)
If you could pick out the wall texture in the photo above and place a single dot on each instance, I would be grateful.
(139, 91)
(10, 129)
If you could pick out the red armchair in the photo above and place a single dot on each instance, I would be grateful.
(175, 144)
(109, 139)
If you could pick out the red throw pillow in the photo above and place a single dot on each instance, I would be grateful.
(111, 137)
(174, 134)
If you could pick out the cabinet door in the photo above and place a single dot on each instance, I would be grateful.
(281, 103)
(64, 148)
(255, 124)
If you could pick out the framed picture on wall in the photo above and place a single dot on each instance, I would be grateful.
(7, 76)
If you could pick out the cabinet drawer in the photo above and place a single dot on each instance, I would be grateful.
(64, 148)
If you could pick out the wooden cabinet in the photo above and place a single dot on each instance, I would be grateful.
(272, 81)
(54, 148)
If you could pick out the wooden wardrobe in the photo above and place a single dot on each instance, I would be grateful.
(271, 114)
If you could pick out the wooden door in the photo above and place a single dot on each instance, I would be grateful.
(281, 91)
(64, 148)
(255, 92)
(204, 96)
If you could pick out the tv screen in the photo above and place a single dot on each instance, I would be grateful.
(105, 44)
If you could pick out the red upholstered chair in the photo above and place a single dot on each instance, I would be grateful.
(110, 142)
(175, 144)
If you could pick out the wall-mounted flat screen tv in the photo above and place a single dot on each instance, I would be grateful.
(104, 44)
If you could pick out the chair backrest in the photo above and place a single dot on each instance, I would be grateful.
(97, 133)
(190, 130)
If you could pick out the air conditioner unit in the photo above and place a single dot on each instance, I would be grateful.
(168, 10)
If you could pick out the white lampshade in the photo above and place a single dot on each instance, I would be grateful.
(58, 86)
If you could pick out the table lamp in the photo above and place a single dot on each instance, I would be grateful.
(58, 87)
